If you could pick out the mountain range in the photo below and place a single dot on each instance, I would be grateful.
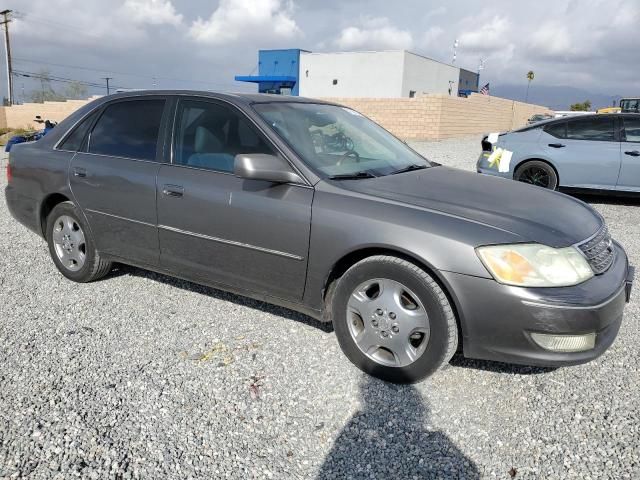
(554, 97)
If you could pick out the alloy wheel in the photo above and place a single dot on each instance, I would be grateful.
(388, 322)
(535, 176)
(69, 243)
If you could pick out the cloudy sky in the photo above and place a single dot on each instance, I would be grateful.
(591, 44)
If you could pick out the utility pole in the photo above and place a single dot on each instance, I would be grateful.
(107, 79)
(7, 46)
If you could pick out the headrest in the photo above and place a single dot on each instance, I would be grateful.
(206, 141)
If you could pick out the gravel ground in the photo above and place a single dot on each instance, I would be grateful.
(143, 376)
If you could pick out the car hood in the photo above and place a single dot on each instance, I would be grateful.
(532, 213)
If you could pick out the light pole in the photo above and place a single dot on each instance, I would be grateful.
(455, 51)
(480, 68)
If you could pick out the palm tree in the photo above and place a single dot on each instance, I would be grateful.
(530, 76)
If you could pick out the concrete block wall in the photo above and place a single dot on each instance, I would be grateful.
(21, 116)
(428, 117)
(435, 117)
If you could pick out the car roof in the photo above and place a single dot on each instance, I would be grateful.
(551, 121)
(246, 98)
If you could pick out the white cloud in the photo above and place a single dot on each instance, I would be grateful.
(552, 40)
(431, 35)
(375, 33)
(154, 12)
(491, 36)
(240, 19)
(436, 12)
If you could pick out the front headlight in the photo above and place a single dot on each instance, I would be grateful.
(535, 265)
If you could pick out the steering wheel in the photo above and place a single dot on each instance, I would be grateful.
(348, 154)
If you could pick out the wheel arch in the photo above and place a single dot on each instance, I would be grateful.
(47, 205)
(537, 159)
(348, 260)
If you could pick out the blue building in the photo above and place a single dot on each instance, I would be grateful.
(278, 72)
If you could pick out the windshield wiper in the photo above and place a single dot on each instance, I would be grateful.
(352, 176)
(409, 168)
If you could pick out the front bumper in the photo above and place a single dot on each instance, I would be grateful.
(498, 320)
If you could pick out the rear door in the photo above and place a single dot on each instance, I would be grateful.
(250, 234)
(113, 179)
(629, 179)
(586, 151)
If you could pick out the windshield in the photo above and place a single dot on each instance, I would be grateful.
(338, 141)
(630, 105)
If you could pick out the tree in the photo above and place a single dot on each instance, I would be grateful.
(530, 76)
(581, 107)
(76, 90)
(46, 92)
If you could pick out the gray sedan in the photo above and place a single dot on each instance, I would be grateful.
(312, 206)
(590, 152)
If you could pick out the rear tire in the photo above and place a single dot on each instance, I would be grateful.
(538, 173)
(392, 320)
(71, 246)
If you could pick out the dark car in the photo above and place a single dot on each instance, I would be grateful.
(539, 117)
(314, 207)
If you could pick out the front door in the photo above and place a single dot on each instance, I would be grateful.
(249, 234)
(629, 179)
(113, 179)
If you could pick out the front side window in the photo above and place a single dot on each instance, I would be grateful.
(209, 135)
(338, 141)
(592, 128)
(128, 129)
(632, 129)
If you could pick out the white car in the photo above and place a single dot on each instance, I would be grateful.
(592, 152)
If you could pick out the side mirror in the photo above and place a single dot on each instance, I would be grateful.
(260, 166)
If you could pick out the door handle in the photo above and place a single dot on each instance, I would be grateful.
(557, 145)
(173, 190)
(79, 172)
(633, 153)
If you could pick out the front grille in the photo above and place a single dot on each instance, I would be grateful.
(598, 251)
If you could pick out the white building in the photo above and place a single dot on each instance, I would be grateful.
(384, 74)
(381, 74)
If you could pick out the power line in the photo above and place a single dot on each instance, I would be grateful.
(24, 17)
(54, 78)
(202, 82)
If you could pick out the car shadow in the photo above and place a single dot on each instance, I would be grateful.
(606, 198)
(460, 361)
(121, 269)
(391, 437)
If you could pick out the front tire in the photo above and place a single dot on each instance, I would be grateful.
(538, 173)
(392, 320)
(71, 246)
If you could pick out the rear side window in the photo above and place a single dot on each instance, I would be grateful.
(128, 129)
(73, 142)
(596, 128)
(632, 129)
(558, 130)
